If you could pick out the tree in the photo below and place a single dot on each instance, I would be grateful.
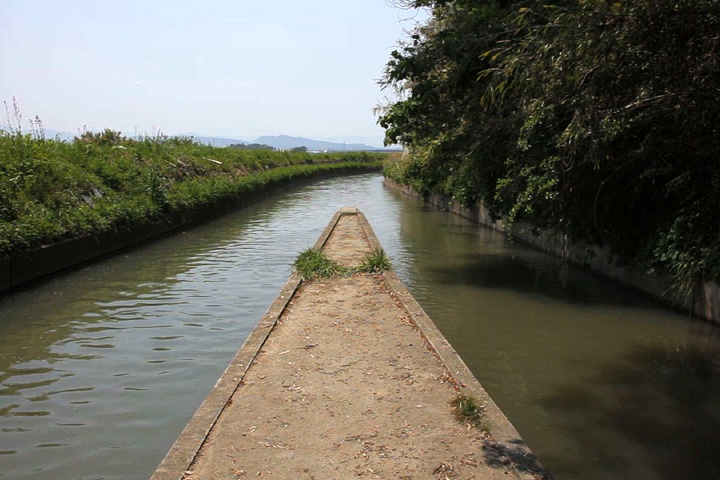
(594, 119)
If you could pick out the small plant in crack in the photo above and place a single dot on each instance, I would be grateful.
(468, 410)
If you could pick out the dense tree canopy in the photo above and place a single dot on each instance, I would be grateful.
(594, 118)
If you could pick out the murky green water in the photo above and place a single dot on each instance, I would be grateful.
(101, 369)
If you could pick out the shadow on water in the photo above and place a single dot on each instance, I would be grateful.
(533, 273)
(457, 252)
(602, 383)
(513, 453)
(665, 399)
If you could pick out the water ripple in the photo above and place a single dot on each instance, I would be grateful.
(169, 316)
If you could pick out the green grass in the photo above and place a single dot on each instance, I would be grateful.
(52, 190)
(375, 262)
(315, 264)
(469, 411)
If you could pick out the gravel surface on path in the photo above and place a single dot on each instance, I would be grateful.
(346, 387)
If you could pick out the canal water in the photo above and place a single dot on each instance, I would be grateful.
(101, 369)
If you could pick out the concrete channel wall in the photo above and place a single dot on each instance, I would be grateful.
(27, 267)
(704, 302)
(501, 455)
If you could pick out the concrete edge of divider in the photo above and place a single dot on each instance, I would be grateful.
(184, 451)
(507, 441)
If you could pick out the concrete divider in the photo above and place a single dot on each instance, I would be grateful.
(211, 447)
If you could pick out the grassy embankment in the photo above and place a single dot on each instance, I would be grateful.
(52, 190)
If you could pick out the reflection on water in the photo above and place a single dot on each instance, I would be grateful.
(101, 369)
(660, 402)
(601, 382)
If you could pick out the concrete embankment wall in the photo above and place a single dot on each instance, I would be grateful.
(24, 268)
(704, 302)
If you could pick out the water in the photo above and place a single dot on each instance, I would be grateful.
(101, 369)
(602, 383)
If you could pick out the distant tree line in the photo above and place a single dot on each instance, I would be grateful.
(592, 118)
(252, 146)
(262, 146)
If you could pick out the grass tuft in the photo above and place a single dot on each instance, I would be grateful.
(314, 264)
(375, 262)
(468, 410)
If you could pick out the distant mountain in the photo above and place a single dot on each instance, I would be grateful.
(286, 142)
(281, 142)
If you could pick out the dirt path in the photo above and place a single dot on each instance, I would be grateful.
(345, 387)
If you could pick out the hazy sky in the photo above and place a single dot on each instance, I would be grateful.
(216, 67)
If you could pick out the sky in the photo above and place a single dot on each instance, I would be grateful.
(231, 68)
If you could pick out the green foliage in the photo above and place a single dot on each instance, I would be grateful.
(315, 264)
(52, 190)
(595, 119)
(375, 262)
(106, 137)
